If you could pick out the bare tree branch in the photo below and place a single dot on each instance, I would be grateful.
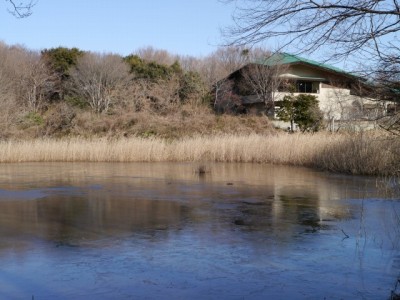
(100, 79)
(21, 9)
(264, 81)
(346, 26)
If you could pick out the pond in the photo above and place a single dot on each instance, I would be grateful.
(164, 231)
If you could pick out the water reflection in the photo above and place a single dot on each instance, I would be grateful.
(67, 203)
(244, 215)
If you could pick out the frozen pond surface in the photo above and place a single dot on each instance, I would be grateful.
(161, 231)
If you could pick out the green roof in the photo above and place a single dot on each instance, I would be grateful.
(286, 58)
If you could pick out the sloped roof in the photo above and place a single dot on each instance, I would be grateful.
(286, 58)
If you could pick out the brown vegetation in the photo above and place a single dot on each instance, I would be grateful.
(63, 121)
(367, 154)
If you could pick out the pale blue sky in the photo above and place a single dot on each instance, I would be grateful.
(186, 27)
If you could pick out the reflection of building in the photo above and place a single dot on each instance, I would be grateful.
(259, 87)
(309, 197)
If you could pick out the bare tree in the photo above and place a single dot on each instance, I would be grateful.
(136, 98)
(232, 58)
(226, 60)
(31, 80)
(150, 54)
(225, 100)
(21, 9)
(351, 26)
(190, 63)
(36, 81)
(264, 81)
(6, 77)
(164, 95)
(25, 84)
(100, 79)
(8, 96)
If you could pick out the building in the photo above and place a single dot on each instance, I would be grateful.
(259, 87)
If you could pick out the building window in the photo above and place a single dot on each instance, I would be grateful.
(308, 87)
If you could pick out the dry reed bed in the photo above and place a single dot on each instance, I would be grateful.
(355, 154)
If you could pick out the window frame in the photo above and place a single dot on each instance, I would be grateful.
(309, 87)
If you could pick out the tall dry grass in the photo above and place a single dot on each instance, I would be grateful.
(355, 154)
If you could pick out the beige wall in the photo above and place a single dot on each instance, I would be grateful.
(335, 103)
(335, 100)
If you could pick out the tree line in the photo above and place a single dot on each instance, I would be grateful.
(103, 81)
(32, 82)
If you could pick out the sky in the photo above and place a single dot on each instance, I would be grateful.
(184, 27)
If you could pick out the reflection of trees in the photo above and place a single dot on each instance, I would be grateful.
(58, 217)
(98, 201)
(71, 220)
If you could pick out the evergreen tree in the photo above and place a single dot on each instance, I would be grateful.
(303, 110)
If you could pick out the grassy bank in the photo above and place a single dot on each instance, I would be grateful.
(62, 121)
(368, 154)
